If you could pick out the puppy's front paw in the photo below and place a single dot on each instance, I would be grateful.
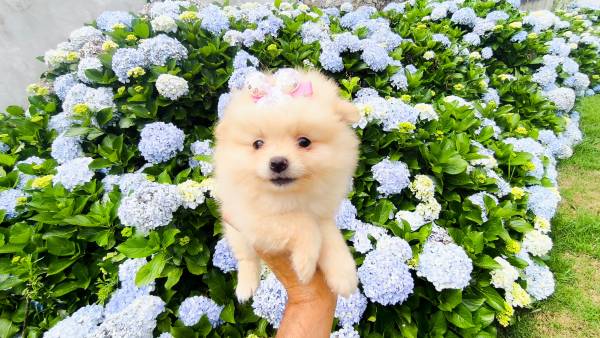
(342, 278)
(246, 289)
(304, 265)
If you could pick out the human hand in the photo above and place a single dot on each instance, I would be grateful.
(310, 307)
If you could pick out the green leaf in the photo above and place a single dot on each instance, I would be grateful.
(173, 277)
(168, 236)
(455, 165)
(487, 262)
(60, 246)
(461, 317)
(20, 233)
(151, 270)
(7, 328)
(142, 29)
(137, 247)
(228, 313)
(7, 160)
(100, 163)
(449, 299)
(15, 110)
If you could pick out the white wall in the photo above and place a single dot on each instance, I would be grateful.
(30, 27)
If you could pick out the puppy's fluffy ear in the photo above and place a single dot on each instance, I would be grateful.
(347, 111)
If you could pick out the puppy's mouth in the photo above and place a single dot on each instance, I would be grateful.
(282, 181)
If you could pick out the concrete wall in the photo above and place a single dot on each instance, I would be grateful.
(534, 5)
(30, 27)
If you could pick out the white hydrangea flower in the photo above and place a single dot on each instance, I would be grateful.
(164, 23)
(414, 219)
(505, 276)
(81, 324)
(423, 187)
(426, 112)
(137, 320)
(429, 209)
(191, 193)
(537, 243)
(74, 172)
(446, 266)
(171, 86)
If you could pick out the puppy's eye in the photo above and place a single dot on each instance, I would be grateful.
(258, 144)
(303, 142)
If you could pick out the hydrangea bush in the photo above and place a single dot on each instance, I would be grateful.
(109, 228)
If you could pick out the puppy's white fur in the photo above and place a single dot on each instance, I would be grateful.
(298, 217)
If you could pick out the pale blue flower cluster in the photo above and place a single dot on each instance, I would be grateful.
(543, 201)
(95, 99)
(269, 300)
(540, 281)
(81, 324)
(399, 80)
(159, 49)
(350, 309)
(4, 148)
(545, 77)
(398, 7)
(445, 265)
(171, 86)
(442, 39)
(392, 176)
(223, 257)
(213, 19)
(137, 320)
(578, 81)
(314, 31)
(201, 148)
(345, 332)
(160, 142)
(487, 53)
(465, 16)
(345, 218)
(63, 84)
(66, 148)
(224, 100)
(81, 36)
(471, 39)
(126, 59)
(562, 97)
(108, 19)
(519, 37)
(74, 172)
(497, 16)
(85, 64)
(244, 59)
(128, 183)
(8, 201)
(128, 292)
(385, 277)
(352, 19)
(149, 207)
(363, 232)
(193, 308)
(168, 8)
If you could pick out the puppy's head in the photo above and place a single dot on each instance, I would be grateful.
(291, 144)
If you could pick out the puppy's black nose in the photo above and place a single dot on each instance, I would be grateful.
(279, 164)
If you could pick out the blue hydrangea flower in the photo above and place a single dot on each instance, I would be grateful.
(95, 99)
(398, 7)
(395, 246)
(465, 16)
(82, 323)
(160, 142)
(331, 60)
(346, 42)
(361, 240)
(8, 201)
(168, 8)
(108, 19)
(85, 64)
(126, 59)
(66, 148)
(399, 80)
(545, 76)
(250, 36)
(446, 266)
(201, 148)
(128, 292)
(81, 36)
(518, 37)
(314, 31)
(351, 19)
(442, 39)
(223, 257)
(385, 278)
(487, 53)
(345, 332)
(138, 320)
(159, 49)
(63, 84)
(569, 65)
(514, 3)
(471, 39)
(543, 201)
(224, 100)
(243, 59)
(497, 16)
(349, 310)
(238, 78)
(491, 95)
(375, 56)
(332, 11)
(540, 281)
(577, 81)
(193, 308)
(4, 148)
(559, 47)
(149, 207)
(346, 215)
(128, 183)
(270, 25)
(74, 172)
(392, 176)
(398, 112)
(269, 300)
(213, 19)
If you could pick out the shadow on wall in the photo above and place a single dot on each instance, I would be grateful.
(30, 27)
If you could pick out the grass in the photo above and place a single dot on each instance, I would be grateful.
(574, 309)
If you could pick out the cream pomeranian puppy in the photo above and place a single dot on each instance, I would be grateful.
(284, 158)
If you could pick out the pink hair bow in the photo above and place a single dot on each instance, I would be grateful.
(284, 84)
